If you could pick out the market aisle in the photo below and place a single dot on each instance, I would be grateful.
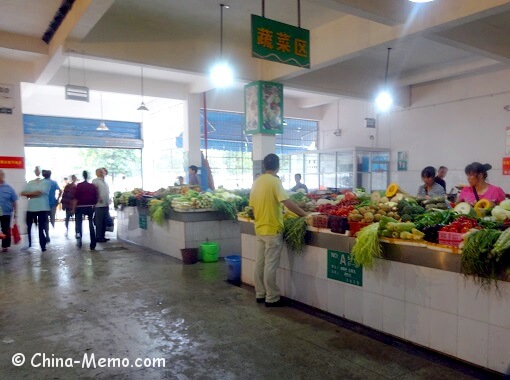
(123, 301)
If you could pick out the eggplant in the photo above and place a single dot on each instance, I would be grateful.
(432, 233)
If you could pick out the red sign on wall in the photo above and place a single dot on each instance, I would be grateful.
(7, 162)
(506, 165)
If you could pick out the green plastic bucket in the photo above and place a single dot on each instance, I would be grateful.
(209, 252)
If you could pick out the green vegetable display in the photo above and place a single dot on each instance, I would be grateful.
(228, 208)
(502, 244)
(294, 230)
(367, 246)
(479, 259)
(433, 217)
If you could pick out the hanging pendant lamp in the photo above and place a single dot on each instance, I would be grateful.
(384, 100)
(102, 126)
(142, 106)
(221, 73)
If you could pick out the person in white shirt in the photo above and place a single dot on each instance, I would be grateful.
(102, 205)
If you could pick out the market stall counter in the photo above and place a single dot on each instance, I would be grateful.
(180, 230)
(414, 292)
(176, 218)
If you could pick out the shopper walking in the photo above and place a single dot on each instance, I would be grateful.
(38, 207)
(85, 199)
(266, 198)
(67, 200)
(102, 205)
(54, 187)
(8, 198)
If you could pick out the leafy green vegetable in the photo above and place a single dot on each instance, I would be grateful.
(478, 259)
(502, 245)
(433, 217)
(294, 231)
(367, 246)
(227, 208)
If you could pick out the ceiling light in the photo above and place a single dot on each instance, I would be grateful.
(420, 1)
(221, 74)
(102, 126)
(384, 100)
(142, 106)
(74, 92)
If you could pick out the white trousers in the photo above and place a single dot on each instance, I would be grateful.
(269, 249)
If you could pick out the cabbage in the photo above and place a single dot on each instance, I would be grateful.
(499, 213)
(324, 202)
(505, 204)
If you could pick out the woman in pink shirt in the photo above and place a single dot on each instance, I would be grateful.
(478, 187)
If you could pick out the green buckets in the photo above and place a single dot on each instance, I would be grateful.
(209, 252)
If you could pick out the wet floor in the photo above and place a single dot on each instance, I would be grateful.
(79, 309)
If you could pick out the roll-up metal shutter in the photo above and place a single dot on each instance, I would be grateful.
(73, 132)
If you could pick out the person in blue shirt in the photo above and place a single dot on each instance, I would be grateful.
(8, 205)
(53, 201)
(38, 207)
(299, 185)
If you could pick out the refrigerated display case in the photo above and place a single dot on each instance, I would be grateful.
(341, 169)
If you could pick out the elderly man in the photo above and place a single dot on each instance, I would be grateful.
(8, 200)
(38, 207)
(102, 204)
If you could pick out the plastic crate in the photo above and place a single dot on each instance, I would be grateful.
(450, 238)
(338, 224)
(320, 221)
(354, 227)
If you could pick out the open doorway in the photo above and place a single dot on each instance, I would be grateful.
(124, 165)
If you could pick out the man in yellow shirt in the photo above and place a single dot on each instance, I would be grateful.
(266, 198)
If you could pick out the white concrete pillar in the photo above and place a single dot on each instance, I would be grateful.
(12, 141)
(192, 134)
(262, 146)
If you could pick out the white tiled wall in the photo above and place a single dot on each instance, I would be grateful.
(473, 341)
(173, 235)
(394, 311)
(437, 309)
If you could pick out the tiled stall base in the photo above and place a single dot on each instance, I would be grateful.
(174, 234)
(441, 310)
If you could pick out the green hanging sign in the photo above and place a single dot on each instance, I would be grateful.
(279, 42)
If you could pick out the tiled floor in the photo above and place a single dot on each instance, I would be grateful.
(123, 301)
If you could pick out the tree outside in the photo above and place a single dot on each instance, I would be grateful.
(119, 162)
(124, 165)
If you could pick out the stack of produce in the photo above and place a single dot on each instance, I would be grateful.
(391, 228)
(439, 202)
(294, 232)
(303, 201)
(486, 255)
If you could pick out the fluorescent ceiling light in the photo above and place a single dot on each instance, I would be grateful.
(420, 1)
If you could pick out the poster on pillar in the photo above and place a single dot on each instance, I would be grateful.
(263, 108)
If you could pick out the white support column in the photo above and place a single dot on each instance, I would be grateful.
(12, 141)
(262, 146)
(191, 136)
